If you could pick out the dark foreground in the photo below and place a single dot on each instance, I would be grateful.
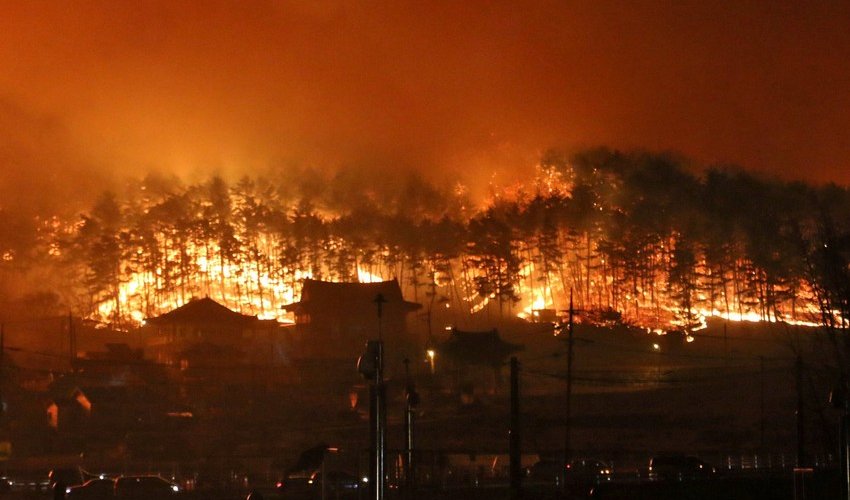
(824, 485)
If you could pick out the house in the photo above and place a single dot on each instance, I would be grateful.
(118, 365)
(334, 320)
(110, 411)
(203, 332)
(475, 358)
(136, 421)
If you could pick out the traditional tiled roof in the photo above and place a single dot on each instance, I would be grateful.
(477, 348)
(321, 295)
(204, 311)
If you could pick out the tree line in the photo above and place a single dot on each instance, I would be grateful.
(637, 234)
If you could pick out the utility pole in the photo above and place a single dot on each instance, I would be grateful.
(845, 447)
(801, 444)
(72, 343)
(844, 437)
(761, 419)
(515, 442)
(568, 409)
(411, 401)
(2, 368)
(379, 413)
(371, 366)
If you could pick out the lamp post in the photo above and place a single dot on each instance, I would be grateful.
(411, 401)
(431, 355)
(371, 366)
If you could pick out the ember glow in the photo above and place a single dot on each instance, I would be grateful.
(405, 142)
(520, 254)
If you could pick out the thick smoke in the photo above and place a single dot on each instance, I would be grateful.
(446, 90)
(43, 172)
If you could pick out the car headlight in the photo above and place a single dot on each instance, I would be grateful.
(175, 488)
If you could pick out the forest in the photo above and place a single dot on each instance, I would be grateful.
(645, 238)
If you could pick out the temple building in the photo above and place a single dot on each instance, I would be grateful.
(334, 320)
(475, 359)
(203, 332)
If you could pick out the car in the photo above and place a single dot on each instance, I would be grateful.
(578, 472)
(144, 488)
(588, 471)
(64, 477)
(679, 468)
(545, 473)
(308, 484)
(93, 489)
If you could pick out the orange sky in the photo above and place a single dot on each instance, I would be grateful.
(92, 90)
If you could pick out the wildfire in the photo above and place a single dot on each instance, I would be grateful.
(526, 257)
(251, 288)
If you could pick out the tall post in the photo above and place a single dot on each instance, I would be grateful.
(411, 401)
(845, 448)
(844, 437)
(2, 368)
(379, 410)
(568, 409)
(324, 476)
(72, 343)
(761, 405)
(801, 436)
(515, 443)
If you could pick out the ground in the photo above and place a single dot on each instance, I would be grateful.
(729, 396)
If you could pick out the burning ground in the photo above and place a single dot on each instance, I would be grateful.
(635, 237)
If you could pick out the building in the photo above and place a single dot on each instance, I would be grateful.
(475, 359)
(204, 332)
(333, 321)
(215, 354)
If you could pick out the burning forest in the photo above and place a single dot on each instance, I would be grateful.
(635, 237)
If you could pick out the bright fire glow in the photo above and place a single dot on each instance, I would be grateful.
(262, 271)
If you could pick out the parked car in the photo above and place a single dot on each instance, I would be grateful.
(65, 477)
(679, 468)
(579, 472)
(93, 489)
(588, 471)
(144, 488)
(308, 484)
(545, 473)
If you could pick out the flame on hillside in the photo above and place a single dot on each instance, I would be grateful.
(260, 288)
(524, 254)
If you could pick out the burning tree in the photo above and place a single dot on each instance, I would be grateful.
(636, 232)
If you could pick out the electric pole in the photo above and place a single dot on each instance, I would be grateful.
(568, 409)
(761, 418)
(379, 412)
(411, 401)
(515, 442)
(2, 368)
(801, 441)
(72, 343)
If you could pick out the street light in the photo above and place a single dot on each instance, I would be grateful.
(657, 349)
(431, 353)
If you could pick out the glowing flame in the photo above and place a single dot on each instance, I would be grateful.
(364, 276)
(259, 283)
(538, 304)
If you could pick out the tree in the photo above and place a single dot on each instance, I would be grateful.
(99, 241)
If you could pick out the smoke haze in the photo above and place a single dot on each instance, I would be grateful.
(475, 91)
